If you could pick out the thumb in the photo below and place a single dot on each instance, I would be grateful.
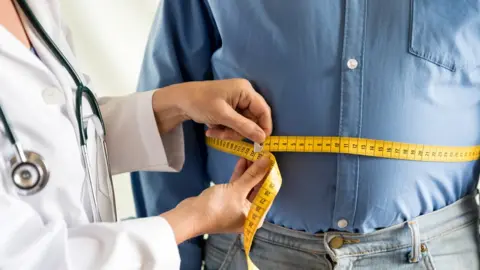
(239, 170)
(254, 174)
(242, 125)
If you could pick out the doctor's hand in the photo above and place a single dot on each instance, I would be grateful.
(231, 108)
(222, 208)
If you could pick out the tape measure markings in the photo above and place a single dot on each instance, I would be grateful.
(369, 147)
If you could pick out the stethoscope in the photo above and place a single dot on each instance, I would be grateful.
(29, 171)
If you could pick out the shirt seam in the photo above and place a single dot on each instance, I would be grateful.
(360, 107)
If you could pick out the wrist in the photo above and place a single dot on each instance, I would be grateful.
(166, 105)
(185, 221)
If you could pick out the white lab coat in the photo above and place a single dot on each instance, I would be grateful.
(53, 229)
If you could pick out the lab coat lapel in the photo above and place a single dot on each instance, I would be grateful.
(47, 13)
(11, 47)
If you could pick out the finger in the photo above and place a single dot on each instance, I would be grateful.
(263, 121)
(255, 190)
(239, 169)
(246, 207)
(258, 109)
(224, 134)
(248, 114)
(244, 126)
(254, 174)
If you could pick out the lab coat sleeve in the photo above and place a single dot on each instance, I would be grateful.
(133, 140)
(27, 242)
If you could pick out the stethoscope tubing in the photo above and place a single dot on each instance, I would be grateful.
(82, 91)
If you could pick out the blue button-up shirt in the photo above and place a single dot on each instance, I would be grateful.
(393, 70)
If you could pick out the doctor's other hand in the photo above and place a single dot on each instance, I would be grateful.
(222, 208)
(231, 108)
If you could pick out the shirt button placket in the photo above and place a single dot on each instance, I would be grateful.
(350, 113)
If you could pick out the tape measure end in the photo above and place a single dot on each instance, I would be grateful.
(257, 147)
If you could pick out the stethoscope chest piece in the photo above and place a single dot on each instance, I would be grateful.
(29, 176)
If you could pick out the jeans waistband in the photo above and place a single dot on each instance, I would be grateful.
(411, 233)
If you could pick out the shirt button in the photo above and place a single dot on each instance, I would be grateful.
(53, 95)
(342, 223)
(352, 63)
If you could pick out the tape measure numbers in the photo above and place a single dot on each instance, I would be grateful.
(315, 144)
(368, 147)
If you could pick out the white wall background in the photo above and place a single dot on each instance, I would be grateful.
(109, 39)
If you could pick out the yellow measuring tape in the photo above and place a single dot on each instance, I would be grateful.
(314, 144)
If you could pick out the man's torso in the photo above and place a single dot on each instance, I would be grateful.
(415, 81)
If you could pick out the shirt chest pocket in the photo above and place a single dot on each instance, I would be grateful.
(446, 32)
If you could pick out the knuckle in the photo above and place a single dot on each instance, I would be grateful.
(242, 83)
(251, 172)
(224, 118)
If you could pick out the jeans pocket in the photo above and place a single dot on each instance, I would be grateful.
(220, 251)
(446, 32)
(456, 249)
(223, 254)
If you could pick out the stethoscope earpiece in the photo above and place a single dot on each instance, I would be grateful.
(29, 176)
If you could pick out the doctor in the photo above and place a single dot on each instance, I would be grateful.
(57, 207)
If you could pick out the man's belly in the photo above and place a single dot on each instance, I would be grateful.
(386, 192)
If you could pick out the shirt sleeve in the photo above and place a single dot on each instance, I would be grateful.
(27, 242)
(133, 140)
(182, 40)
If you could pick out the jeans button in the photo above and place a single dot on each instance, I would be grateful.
(336, 242)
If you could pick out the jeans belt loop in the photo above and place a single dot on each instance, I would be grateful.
(415, 254)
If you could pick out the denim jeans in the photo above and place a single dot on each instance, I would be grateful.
(445, 239)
